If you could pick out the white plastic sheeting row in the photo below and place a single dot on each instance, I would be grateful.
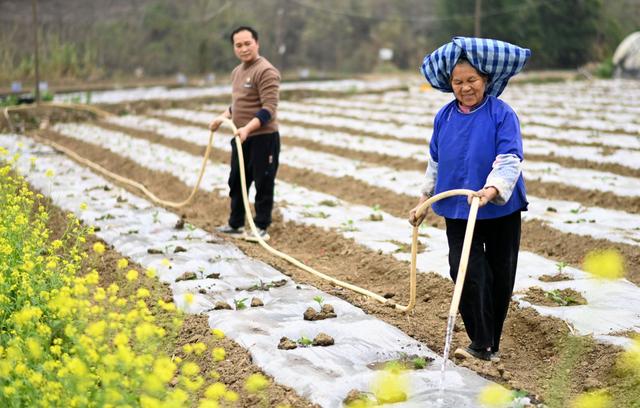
(630, 159)
(612, 307)
(323, 374)
(163, 92)
(383, 116)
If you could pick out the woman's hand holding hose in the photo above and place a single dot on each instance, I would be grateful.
(486, 195)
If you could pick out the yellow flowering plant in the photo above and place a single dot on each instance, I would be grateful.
(65, 339)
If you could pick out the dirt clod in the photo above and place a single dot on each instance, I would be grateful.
(256, 302)
(323, 340)
(222, 306)
(287, 344)
(187, 276)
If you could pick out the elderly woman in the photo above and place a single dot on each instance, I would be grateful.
(476, 144)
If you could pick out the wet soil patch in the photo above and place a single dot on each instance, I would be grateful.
(405, 362)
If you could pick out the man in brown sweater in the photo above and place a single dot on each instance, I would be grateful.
(254, 101)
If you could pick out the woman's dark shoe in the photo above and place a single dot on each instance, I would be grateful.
(468, 352)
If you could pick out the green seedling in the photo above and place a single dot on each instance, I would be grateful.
(561, 299)
(375, 215)
(319, 299)
(304, 341)
(156, 217)
(419, 363)
(560, 266)
(348, 226)
(578, 210)
(240, 304)
(328, 203)
(319, 214)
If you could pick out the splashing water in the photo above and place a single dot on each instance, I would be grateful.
(447, 348)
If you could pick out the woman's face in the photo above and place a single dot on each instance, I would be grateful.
(468, 85)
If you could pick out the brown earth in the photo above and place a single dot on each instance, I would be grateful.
(532, 345)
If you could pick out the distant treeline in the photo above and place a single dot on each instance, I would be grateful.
(107, 38)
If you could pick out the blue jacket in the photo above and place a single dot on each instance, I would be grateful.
(465, 147)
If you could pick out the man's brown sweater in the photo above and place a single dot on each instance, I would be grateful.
(255, 86)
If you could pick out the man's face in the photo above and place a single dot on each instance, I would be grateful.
(245, 46)
(468, 85)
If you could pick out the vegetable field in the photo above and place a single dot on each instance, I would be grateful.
(353, 156)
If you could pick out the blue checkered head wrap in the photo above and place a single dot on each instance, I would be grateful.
(497, 59)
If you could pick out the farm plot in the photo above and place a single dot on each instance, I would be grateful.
(342, 165)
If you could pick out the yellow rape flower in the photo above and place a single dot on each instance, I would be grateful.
(143, 293)
(151, 272)
(199, 348)
(190, 369)
(49, 173)
(494, 395)
(34, 348)
(631, 357)
(215, 391)
(121, 340)
(132, 275)
(390, 386)
(113, 289)
(188, 298)
(122, 263)
(164, 369)
(92, 278)
(208, 404)
(83, 206)
(193, 385)
(99, 294)
(255, 383)
(153, 384)
(231, 396)
(606, 264)
(149, 402)
(165, 262)
(218, 333)
(98, 248)
(218, 353)
(596, 399)
(96, 329)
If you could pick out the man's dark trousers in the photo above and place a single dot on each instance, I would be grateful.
(261, 154)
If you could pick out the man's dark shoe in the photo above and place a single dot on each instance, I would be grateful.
(468, 352)
(262, 232)
(229, 230)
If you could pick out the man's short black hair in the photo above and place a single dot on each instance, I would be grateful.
(253, 32)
